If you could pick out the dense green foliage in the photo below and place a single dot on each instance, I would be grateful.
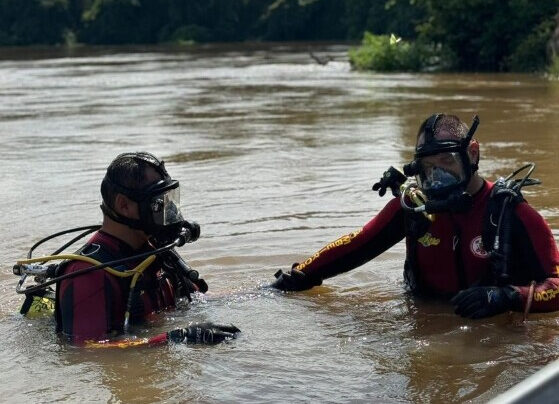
(152, 21)
(380, 53)
(491, 34)
(476, 35)
(553, 69)
(32, 21)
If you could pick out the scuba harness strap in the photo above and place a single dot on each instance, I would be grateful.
(45, 300)
(497, 231)
(91, 250)
(131, 286)
(416, 226)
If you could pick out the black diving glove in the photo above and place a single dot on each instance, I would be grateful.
(192, 286)
(294, 280)
(203, 333)
(392, 178)
(481, 301)
(201, 285)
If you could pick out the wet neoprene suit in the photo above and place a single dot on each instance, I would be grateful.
(450, 255)
(92, 306)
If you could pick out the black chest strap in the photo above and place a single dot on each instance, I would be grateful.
(98, 253)
(497, 231)
(416, 226)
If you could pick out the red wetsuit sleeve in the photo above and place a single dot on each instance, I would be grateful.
(355, 249)
(122, 343)
(87, 303)
(541, 258)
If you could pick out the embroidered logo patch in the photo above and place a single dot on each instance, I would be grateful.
(477, 248)
(428, 240)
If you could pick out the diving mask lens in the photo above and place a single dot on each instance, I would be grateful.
(166, 208)
(441, 173)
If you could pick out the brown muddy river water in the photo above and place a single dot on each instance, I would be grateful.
(276, 156)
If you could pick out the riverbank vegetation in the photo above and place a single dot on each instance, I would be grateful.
(471, 35)
(466, 35)
(553, 69)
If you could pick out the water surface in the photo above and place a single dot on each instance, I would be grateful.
(276, 156)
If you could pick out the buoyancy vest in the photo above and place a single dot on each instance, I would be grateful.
(416, 225)
(496, 238)
(150, 294)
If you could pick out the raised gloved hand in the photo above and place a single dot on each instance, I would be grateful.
(294, 280)
(203, 333)
(392, 178)
(486, 301)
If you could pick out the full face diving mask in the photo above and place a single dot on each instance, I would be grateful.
(159, 205)
(442, 166)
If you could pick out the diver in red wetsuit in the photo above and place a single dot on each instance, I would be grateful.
(452, 256)
(140, 213)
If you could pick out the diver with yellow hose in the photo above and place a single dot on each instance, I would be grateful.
(128, 269)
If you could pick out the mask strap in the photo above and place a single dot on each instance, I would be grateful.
(133, 223)
(466, 142)
(158, 165)
(149, 158)
(134, 194)
(430, 128)
(472, 130)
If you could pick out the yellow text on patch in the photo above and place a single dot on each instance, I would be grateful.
(427, 240)
(339, 242)
(546, 295)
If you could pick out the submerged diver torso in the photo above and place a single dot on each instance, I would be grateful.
(486, 249)
(449, 256)
(129, 269)
(92, 306)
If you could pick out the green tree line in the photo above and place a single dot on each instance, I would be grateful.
(476, 35)
(25, 22)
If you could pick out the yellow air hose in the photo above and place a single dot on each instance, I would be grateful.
(134, 272)
(76, 257)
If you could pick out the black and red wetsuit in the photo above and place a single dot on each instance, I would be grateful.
(92, 306)
(449, 256)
